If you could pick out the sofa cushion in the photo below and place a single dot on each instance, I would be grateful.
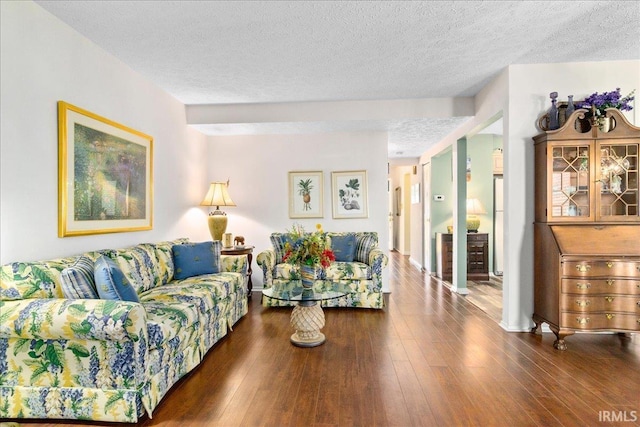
(278, 241)
(343, 246)
(365, 243)
(78, 280)
(139, 265)
(285, 270)
(39, 279)
(195, 259)
(348, 270)
(164, 259)
(111, 282)
(172, 321)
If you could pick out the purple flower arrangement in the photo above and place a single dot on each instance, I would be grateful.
(604, 100)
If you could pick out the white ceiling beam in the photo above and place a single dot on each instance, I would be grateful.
(289, 112)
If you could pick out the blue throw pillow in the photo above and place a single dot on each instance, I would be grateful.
(78, 280)
(195, 259)
(344, 247)
(111, 282)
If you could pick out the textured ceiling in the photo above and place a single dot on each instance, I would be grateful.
(206, 52)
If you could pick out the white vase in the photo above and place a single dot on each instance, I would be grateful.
(605, 124)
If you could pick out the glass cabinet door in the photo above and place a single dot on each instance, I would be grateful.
(617, 198)
(570, 183)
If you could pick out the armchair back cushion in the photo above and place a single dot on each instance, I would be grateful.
(278, 240)
(344, 247)
(365, 243)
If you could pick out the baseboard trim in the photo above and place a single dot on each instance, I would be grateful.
(461, 291)
(415, 263)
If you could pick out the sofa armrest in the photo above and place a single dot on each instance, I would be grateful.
(69, 319)
(234, 264)
(267, 261)
(81, 344)
(378, 260)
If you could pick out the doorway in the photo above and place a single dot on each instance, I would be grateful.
(426, 218)
(485, 182)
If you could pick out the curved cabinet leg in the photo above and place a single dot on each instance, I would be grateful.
(559, 344)
(560, 334)
(537, 323)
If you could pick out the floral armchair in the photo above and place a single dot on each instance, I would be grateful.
(362, 274)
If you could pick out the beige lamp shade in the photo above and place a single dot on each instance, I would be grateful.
(218, 195)
(474, 208)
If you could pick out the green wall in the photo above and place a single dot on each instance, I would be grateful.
(480, 149)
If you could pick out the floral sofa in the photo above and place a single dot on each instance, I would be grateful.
(71, 357)
(362, 273)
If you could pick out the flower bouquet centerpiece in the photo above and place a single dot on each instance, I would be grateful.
(599, 102)
(308, 250)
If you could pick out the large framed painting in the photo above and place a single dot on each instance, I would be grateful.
(305, 194)
(105, 181)
(349, 194)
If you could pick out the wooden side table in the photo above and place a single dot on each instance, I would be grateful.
(248, 251)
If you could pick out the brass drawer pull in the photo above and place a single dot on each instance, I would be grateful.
(585, 303)
(609, 264)
(583, 320)
(610, 316)
(609, 299)
(586, 285)
(610, 282)
(583, 268)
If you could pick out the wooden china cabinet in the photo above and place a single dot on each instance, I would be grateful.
(587, 228)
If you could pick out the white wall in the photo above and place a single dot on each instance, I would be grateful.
(258, 165)
(529, 88)
(521, 92)
(44, 61)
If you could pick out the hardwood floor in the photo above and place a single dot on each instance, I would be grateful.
(430, 358)
(487, 296)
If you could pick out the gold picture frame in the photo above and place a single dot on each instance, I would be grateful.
(105, 175)
(306, 194)
(349, 194)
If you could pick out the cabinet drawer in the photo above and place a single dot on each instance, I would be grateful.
(604, 303)
(575, 320)
(601, 286)
(600, 268)
(477, 238)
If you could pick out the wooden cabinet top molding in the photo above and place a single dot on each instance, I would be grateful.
(579, 127)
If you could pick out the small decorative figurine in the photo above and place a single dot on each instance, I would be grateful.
(238, 241)
(554, 121)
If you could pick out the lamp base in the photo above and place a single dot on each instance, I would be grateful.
(473, 223)
(217, 224)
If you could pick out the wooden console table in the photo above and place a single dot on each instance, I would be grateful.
(477, 256)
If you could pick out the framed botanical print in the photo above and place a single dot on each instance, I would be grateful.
(305, 194)
(349, 194)
(105, 182)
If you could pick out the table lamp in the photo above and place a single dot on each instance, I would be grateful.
(474, 208)
(217, 196)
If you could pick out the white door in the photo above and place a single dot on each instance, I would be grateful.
(498, 225)
(390, 194)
